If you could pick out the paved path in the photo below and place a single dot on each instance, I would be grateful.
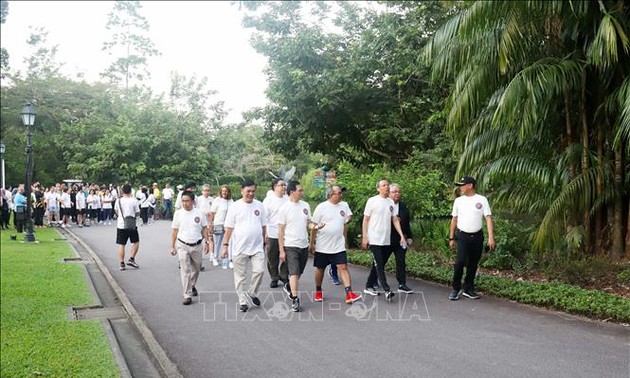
(423, 334)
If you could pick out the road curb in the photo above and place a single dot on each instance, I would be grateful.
(168, 367)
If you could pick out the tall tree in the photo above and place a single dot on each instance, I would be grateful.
(4, 54)
(129, 45)
(539, 107)
(343, 80)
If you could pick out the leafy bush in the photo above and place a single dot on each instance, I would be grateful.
(624, 277)
(513, 240)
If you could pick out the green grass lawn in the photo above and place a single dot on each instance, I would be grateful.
(37, 337)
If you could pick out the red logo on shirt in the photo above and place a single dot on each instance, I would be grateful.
(305, 211)
(257, 213)
(343, 213)
(197, 219)
(478, 205)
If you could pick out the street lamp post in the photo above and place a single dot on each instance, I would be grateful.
(28, 119)
(2, 150)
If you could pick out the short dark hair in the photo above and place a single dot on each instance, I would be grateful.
(247, 182)
(190, 185)
(188, 193)
(126, 189)
(275, 182)
(292, 186)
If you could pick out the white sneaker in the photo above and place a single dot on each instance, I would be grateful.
(63, 225)
(215, 262)
(230, 265)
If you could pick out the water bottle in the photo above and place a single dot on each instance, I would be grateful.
(224, 263)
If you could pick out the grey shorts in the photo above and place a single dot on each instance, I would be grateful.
(296, 259)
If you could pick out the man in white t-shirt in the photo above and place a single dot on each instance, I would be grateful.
(378, 217)
(167, 196)
(469, 211)
(294, 220)
(245, 229)
(272, 203)
(127, 206)
(328, 241)
(81, 206)
(188, 240)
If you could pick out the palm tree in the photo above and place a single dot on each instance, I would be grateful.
(540, 108)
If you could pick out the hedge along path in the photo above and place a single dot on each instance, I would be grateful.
(555, 295)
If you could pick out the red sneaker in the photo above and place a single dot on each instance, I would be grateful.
(351, 297)
(319, 296)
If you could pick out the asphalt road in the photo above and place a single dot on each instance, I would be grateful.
(421, 335)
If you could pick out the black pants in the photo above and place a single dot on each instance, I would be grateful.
(273, 259)
(144, 214)
(469, 248)
(39, 216)
(401, 267)
(378, 253)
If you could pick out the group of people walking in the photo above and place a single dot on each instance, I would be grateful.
(280, 233)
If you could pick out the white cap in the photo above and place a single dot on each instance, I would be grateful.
(180, 186)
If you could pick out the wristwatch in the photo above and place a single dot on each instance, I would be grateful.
(226, 244)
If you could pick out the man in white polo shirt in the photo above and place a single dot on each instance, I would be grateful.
(378, 217)
(188, 240)
(469, 210)
(245, 228)
(328, 241)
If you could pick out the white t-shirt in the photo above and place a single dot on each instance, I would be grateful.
(129, 207)
(220, 208)
(66, 201)
(470, 211)
(272, 204)
(80, 201)
(203, 203)
(330, 238)
(167, 193)
(247, 221)
(295, 216)
(380, 210)
(53, 201)
(91, 203)
(347, 209)
(189, 224)
(107, 201)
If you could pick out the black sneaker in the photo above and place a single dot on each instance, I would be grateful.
(255, 301)
(194, 291)
(295, 305)
(470, 294)
(389, 295)
(454, 295)
(122, 266)
(202, 268)
(187, 301)
(131, 262)
(404, 289)
(273, 284)
(243, 308)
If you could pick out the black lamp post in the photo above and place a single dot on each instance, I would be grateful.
(28, 119)
(2, 150)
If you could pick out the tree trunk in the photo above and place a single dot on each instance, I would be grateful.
(617, 233)
(585, 161)
(569, 130)
(599, 188)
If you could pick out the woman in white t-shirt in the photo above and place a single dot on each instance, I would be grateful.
(107, 199)
(218, 211)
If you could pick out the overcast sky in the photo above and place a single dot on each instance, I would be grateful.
(199, 37)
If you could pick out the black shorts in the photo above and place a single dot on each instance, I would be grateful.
(80, 211)
(321, 260)
(123, 235)
(296, 259)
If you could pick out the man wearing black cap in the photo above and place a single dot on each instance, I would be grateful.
(469, 210)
